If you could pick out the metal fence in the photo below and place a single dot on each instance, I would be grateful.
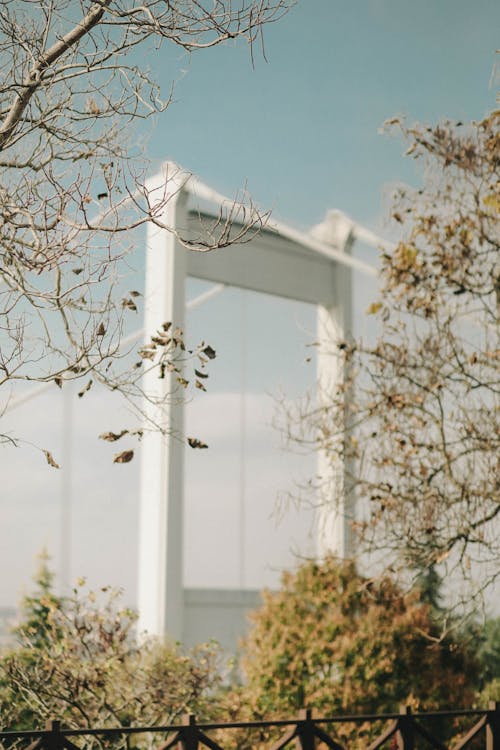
(473, 729)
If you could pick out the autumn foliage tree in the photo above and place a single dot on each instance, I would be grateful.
(337, 642)
(420, 436)
(78, 659)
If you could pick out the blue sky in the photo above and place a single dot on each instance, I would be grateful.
(301, 131)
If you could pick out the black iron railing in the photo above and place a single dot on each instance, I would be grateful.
(474, 729)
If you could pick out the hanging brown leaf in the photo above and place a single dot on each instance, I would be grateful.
(50, 459)
(111, 437)
(147, 353)
(123, 458)
(134, 293)
(101, 330)
(169, 367)
(211, 353)
(58, 382)
(199, 385)
(161, 340)
(177, 338)
(195, 443)
(201, 374)
(85, 389)
(129, 304)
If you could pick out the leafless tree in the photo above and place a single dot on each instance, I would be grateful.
(422, 427)
(72, 183)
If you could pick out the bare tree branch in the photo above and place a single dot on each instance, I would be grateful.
(72, 187)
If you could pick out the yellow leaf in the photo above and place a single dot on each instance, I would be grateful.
(374, 308)
(407, 255)
(492, 201)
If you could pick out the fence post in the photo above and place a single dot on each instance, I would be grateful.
(54, 738)
(305, 730)
(493, 726)
(189, 733)
(406, 733)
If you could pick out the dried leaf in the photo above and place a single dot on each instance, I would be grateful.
(111, 437)
(129, 304)
(50, 459)
(135, 293)
(166, 326)
(211, 354)
(58, 382)
(177, 338)
(201, 374)
(85, 389)
(124, 457)
(183, 382)
(146, 353)
(200, 385)
(101, 330)
(195, 443)
(442, 556)
(161, 340)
